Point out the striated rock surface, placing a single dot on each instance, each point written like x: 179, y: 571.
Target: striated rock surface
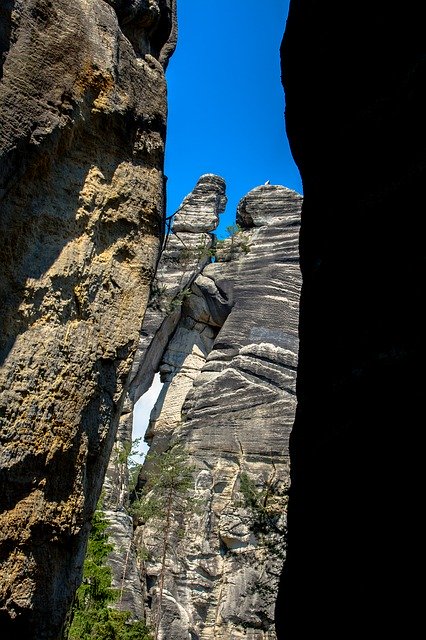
x: 83, y: 120
x: 355, y: 80
x: 237, y: 419
x: 184, y: 255
x: 228, y: 363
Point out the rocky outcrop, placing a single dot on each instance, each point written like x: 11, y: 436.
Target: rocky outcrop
x: 236, y: 423
x: 354, y: 80
x: 184, y: 254
x: 83, y: 119
x: 228, y: 362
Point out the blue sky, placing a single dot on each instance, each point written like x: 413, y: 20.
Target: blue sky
x: 226, y: 102
x: 226, y: 111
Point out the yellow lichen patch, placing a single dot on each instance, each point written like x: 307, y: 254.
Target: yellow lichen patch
x: 17, y: 565
x: 92, y: 78
x: 80, y: 295
x: 57, y: 446
x: 91, y: 193
x: 35, y: 509
x: 17, y: 522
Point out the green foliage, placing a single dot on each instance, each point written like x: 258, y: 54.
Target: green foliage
x: 169, y: 480
x: 128, y: 452
x: 134, y: 465
x: 127, y: 460
x: 267, y: 503
x: 157, y: 296
x: 161, y: 300
x: 195, y: 254
x: 237, y: 242
x: 108, y: 624
x: 250, y: 493
x: 233, y: 229
x: 91, y: 616
x: 165, y: 499
x: 179, y: 299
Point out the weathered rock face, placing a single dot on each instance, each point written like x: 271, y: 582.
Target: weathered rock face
x: 236, y: 421
x: 83, y: 118
x: 354, y: 82
x: 184, y: 255
x: 228, y: 364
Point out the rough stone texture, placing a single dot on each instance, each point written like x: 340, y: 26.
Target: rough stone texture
x: 237, y: 418
x: 229, y: 368
x: 199, y: 210
x: 355, y: 80
x: 83, y: 119
x: 126, y: 576
x: 184, y: 254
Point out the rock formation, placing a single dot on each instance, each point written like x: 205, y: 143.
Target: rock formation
x: 83, y: 119
x: 223, y: 334
x: 184, y: 255
x: 354, y: 79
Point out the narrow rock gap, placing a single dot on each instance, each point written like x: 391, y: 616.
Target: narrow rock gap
x: 142, y: 412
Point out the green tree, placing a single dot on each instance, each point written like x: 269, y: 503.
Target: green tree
x: 126, y: 457
x: 165, y: 498
x: 92, y: 617
x: 268, y: 503
x: 238, y: 242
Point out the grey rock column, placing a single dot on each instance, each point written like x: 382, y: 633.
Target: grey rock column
x: 233, y: 413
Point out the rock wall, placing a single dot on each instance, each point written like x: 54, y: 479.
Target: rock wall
x: 354, y: 79
x: 83, y: 121
x: 184, y: 254
x: 227, y: 353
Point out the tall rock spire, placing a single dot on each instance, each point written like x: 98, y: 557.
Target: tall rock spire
x: 228, y: 362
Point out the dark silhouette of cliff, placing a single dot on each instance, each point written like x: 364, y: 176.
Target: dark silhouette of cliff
x: 354, y: 78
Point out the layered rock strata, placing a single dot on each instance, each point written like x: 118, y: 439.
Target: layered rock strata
x: 355, y: 92
x: 184, y: 254
x: 83, y: 120
x: 228, y: 367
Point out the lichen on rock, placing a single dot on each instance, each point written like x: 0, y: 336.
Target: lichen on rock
x: 83, y: 122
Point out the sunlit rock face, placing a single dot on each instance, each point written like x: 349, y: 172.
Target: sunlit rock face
x: 236, y: 419
x: 227, y: 353
x: 354, y: 79
x: 83, y: 119
x: 183, y: 256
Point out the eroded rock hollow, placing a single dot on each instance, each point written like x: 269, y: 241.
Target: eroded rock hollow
x: 83, y: 121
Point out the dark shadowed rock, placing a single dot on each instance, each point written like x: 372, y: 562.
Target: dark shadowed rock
x: 355, y: 78
x: 83, y: 120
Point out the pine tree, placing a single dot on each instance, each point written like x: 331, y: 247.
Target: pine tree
x: 92, y: 617
x: 166, y: 497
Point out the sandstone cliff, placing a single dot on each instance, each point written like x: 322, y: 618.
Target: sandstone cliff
x: 223, y: 334
x: 83, y: 120
x: 184, y: 254
x: 354, y: 78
